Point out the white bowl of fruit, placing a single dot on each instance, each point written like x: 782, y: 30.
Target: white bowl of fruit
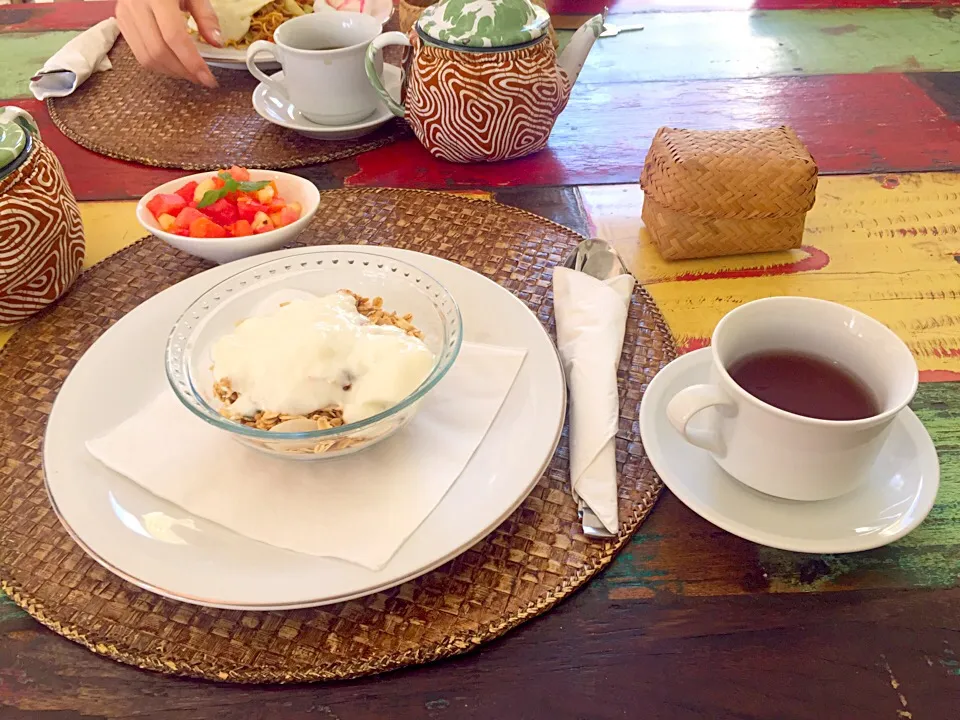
x: 229, y: 214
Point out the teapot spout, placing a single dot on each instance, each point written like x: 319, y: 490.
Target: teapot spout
x: 573, y: 57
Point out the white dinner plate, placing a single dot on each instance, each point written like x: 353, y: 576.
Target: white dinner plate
x: 897, y: 497
x: 275, y: 108
x: 230, y: 58
x: 161, y: 548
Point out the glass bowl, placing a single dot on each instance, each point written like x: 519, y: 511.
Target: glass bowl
x: 404, y: 289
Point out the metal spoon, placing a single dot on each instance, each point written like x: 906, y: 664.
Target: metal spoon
x: 611, y: 30
x: 599, y: 259
x: 48, y: 72
x: 596, y: 258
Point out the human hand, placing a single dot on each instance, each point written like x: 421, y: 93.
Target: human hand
x: 158, y: 36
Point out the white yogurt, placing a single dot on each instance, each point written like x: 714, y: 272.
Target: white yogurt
x: 317, y: 353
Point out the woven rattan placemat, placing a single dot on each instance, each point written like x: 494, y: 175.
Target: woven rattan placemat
x: 534, y: 559
x: 131, y: 114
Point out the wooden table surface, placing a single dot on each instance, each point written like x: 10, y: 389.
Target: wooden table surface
x: 689, y: 621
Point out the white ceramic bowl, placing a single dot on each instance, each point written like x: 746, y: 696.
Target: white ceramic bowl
x: 222, y: 250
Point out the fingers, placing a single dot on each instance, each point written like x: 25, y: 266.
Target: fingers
x: 157, y: 34
x: 174, y: 33
x: 206, y: 20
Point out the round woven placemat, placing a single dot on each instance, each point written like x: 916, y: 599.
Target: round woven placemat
x: 131, y: 114
x: 531, y: 561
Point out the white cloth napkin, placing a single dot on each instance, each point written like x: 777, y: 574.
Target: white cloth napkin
x: 82, y: 56
x: 360, y: 508
x: 591, y: 319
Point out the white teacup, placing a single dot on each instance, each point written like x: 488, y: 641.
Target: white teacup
x: 777, y: 452
x: 323, y: 56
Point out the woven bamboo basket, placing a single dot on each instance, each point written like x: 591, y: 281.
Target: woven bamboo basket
x: 708, y: 194
x: 410, y: 10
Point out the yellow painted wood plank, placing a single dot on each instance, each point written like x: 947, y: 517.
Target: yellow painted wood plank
x: 108, y: 227
x: 887, y: 245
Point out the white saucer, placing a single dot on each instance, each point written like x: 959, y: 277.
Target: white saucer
x: 275, y: 108
x: 901, y: 490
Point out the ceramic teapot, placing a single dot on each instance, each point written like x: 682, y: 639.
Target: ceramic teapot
x: 41, y: 234
x: 484, y: 82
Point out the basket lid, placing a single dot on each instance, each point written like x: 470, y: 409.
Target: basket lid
x: 737, y: 174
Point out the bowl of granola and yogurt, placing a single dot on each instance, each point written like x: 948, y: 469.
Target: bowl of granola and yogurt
x: 314, y: 355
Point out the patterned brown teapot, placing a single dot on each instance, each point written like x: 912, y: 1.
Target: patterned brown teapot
x: 41, y: 234
x: 485, y: 82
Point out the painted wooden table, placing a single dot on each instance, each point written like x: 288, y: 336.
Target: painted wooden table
x: 689, y: 622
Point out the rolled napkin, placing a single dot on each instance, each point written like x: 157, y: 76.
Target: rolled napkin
x: 591, y: 318
x: 80, y: 58
x: 360, y: 508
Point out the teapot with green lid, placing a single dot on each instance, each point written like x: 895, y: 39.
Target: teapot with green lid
x: 41, y: 234
x: 484, y: 82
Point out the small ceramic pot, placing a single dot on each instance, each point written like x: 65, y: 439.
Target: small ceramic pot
x: 41, y: 234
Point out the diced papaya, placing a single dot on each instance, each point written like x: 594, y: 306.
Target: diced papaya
x: 204, y: 227
x: 240, y: 228
x: 239, y: 174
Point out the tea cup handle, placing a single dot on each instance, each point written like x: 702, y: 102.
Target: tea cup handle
x: 690, y: 401
x: 256, y: 48
x: 376, y: 46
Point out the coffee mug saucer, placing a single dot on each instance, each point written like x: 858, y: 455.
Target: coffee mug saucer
x: 897, y: 497
x: 276, y: 109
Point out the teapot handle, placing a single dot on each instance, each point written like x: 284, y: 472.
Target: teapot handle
x: 377, y: 46
x: 11, y: 113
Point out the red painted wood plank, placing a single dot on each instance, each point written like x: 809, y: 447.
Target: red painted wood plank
x: 622, y: 7
x: 852, y: 124
x: 54, y: 16
x: 92, y: 176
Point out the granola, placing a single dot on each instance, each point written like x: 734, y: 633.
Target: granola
x: 325, y: 418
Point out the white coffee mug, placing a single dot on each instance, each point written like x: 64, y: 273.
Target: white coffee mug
x: 323, y: 59
x: 778, y: 452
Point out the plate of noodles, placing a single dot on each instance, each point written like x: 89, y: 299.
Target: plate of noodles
x: 244, y: 21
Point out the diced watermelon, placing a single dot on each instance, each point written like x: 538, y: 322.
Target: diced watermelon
x: 240, y: 228
x: 204, y: 227
x: 276, y: 205
x: 166, y: 204
x: 186, y: 216
x: 248, y: 208
x: 223, y: 212
x: 186, y: 192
